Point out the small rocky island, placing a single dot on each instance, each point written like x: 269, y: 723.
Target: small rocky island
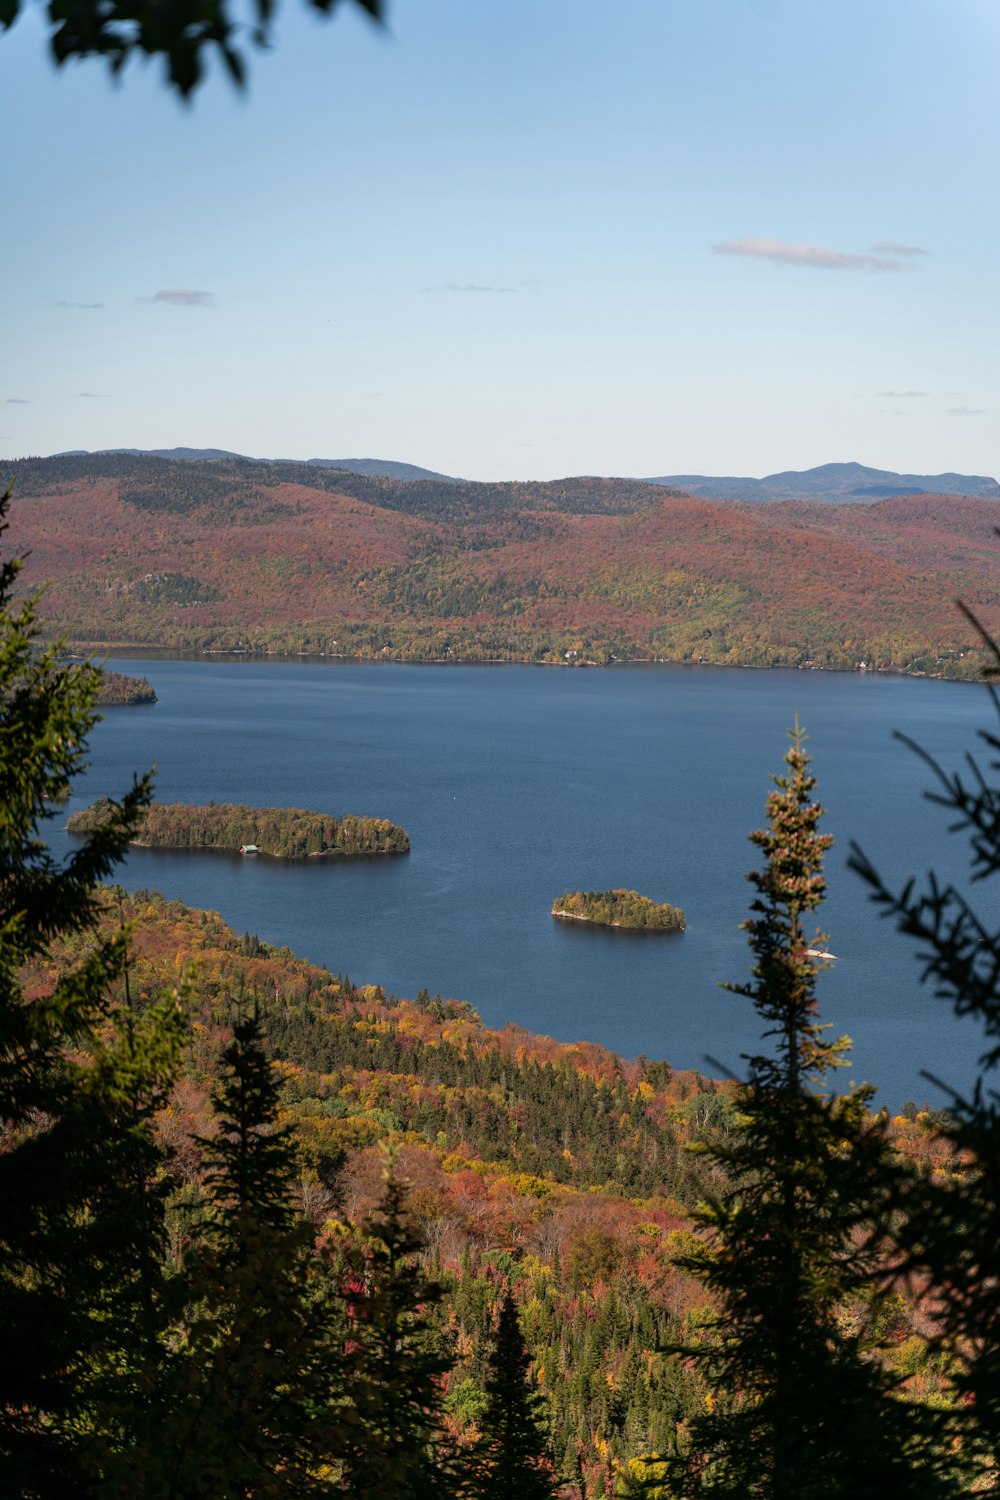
x: 282, y: 832
x: 619, y: 908
x: 119, y: 690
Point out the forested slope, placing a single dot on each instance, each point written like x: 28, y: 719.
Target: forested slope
x: 557, y: 1169
x: 226, y: 555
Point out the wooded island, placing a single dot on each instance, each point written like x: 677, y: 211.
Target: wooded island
x: 619, y: 908
x: 283, y: 832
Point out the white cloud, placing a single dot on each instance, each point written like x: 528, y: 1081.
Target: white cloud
x: 183, y: 297
x: 466, y: 286
x: 816, y: 257
x: 892, y: 247
x: 966, y: 411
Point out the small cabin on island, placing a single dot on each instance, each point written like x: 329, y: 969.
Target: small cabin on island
x: 249, y: 849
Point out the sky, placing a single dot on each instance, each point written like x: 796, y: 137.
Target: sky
x: 519, y: 239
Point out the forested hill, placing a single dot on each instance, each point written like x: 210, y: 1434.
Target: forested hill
x: 232, y: 555
x: 179, y: 486
x: 558, y: 1170
x: 390, y: 467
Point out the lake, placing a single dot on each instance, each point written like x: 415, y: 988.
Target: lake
x: 517, y: 783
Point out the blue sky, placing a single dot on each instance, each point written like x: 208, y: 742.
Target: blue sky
x: 519, y: 238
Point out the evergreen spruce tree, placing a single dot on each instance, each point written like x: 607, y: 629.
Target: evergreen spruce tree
x: 950, y: 1232
x: 797, y: 1405
x: 134, y: 1066
x: 398, y: 1447
x: 515, y: 1461
x: 249, y: 1403
x: 75, y: 1138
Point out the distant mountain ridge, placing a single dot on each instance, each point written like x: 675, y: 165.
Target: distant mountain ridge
x: 228, y: 554
x: 385, y: 468
x: 834, y: 484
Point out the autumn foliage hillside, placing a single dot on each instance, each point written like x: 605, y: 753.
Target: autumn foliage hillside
x: 558, y: 1170
x: 225, y: 555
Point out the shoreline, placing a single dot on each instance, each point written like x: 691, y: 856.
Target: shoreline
x: 285, y: 859
x: 135, y: 651
x: 575, y: 916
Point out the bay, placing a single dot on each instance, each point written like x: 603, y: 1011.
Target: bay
x: 517, y: 783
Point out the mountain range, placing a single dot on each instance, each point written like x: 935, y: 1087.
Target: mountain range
x: 226, y: 554
x: 385, y: 467
x: 836, y: 484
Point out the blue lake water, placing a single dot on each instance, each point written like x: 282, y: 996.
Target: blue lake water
x: 516, y: 783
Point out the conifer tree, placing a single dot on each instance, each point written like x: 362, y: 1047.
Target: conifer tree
x: 398, y: 1447
x: 248, y: 1405
x: 134, y: 1066
x: 515, y: 1463
x: 797, y: 1406
x: 950, y: 1232
x: 67, y: 1120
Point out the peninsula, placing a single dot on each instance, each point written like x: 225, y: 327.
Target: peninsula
x: 282, y: 832
x: 619, y: 908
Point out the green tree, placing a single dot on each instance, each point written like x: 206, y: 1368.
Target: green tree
x: 515, y: 1461
x: 950, y: 1231
x: 248, y: 1404
x: 135, y: 1063
x: 183, y: 33
x: 797, y: 1404
x: 80, y: 1220
x: 399, y: 1451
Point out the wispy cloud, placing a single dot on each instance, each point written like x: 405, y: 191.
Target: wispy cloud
x: 966, y: 411
x: 892, y: 247
x: 17, y: 401
x: 466, y: 286
x: 901, y: 395
x: 815, y: 257
x: 92, y: 396
x: 182, y: 297
x: 87, y: 306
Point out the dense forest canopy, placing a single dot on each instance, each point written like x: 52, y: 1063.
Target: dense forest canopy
x: 284, y: 832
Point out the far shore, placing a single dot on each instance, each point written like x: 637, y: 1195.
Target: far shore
x: 118, y: 649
